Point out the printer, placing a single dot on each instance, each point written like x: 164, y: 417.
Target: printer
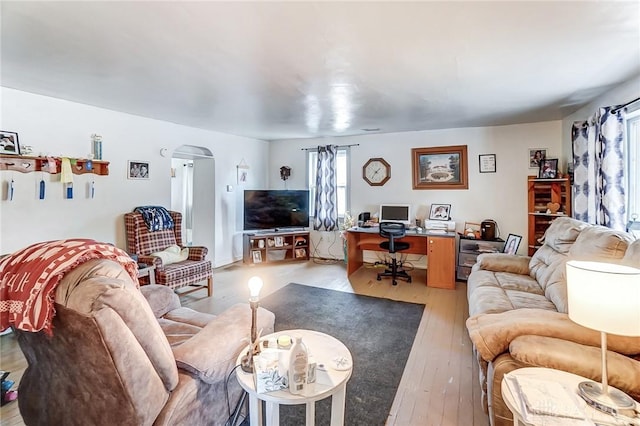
x: 441, y: 225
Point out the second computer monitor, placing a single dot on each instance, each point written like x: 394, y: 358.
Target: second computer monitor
x: 395, y: 213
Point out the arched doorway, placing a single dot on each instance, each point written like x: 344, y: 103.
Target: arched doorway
x: 192, y: 194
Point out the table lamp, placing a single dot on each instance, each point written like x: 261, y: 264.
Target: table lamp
x: 604, y: 297
x: 255, y: 285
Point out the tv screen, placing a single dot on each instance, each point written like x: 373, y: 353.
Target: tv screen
x: 273, y: 209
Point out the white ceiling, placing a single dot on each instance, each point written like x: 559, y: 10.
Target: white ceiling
x: 280, y: 70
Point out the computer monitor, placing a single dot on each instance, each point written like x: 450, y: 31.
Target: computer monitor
x: 395, y: 213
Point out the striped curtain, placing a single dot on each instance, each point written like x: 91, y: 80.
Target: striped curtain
x: 326, y: 202
x: 598, y: 167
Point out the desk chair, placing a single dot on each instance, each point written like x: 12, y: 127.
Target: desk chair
x: 393, y: 231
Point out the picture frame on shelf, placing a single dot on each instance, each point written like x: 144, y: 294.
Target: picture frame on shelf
x: 535, y: 156
x: 137, y: 169
x: 279, y: 241
x: 300, y: 253
x: 443, y: 167
x: 256, y: 256
x: 512, y: 244
x: 487, y: 163
x: 440, y: 212
x: 9, y: 143
x: 548, y: 168
x: 472, y: 230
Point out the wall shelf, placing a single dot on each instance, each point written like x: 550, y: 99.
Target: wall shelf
x: 79, y: 166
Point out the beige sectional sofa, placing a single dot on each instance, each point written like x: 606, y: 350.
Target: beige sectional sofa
x: 518, y: 313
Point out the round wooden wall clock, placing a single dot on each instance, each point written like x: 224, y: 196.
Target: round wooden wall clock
x: 376, y: 171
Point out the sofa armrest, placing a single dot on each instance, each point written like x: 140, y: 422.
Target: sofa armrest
x: 211, y: 354
x: 162, y: 299
x: 503, y: 262
x: 197, y: 252
x: 583, y: 360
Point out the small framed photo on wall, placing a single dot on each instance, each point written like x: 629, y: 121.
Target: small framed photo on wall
x: 535, y: 157
x: 487, y: 163
x: 9, y: 143
x: 138, y: 170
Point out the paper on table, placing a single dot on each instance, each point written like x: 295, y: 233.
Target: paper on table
x: 545, y: 402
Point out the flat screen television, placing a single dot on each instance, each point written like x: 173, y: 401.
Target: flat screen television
x: 275, y: 209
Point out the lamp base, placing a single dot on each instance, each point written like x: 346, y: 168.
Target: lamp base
x: 246, y: 363
x: 613, y: 402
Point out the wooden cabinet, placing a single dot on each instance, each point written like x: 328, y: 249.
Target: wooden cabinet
x: 468, y: 251
x: 25, y: 164
x: 441, y: 258
x: 542, y: 192
x: 275, y: 247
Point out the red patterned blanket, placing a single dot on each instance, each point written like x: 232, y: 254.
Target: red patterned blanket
x: 28, y: 279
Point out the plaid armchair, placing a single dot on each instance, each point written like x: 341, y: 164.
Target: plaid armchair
x: 142, y: 242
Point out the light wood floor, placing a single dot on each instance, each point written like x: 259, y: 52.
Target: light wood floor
x: 439, y: 385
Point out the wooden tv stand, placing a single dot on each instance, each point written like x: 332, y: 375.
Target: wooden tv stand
x: 277, y: 246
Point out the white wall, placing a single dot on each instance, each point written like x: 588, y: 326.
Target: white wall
x: 501, y: 196
x: 63, y: 128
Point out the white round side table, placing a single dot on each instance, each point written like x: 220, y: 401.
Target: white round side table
x: 568, y: 380
x: 329, y: 381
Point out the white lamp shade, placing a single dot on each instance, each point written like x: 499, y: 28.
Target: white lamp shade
x: 604, y: 297
x: 255, y: 285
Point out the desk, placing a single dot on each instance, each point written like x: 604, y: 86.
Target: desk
x: 440, y: 249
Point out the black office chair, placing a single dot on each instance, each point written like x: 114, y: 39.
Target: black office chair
x: 393, y: 231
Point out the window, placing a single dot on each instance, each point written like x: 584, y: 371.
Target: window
x: 632, y: 150
x: 342, y: 162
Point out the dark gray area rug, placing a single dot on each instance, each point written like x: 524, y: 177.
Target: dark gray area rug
x: 378, y: 332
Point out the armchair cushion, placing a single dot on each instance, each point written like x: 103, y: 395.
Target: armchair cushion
x: 210, y: 354
x: 172, y: 254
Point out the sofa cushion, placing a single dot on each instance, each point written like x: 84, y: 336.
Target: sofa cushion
x: 503, y: 262
x: 102, y: 288
x: 599, y: 243
x: 584, y: 360
x: 493, y: 292
x: 632, y: 255
x: 562, y: 233
x: 161, y: 299
x: 211, y: 354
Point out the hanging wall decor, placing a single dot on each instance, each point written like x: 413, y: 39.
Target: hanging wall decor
x: 243, y: 172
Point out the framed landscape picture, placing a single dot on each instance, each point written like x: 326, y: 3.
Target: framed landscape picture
x: 443, y: 167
